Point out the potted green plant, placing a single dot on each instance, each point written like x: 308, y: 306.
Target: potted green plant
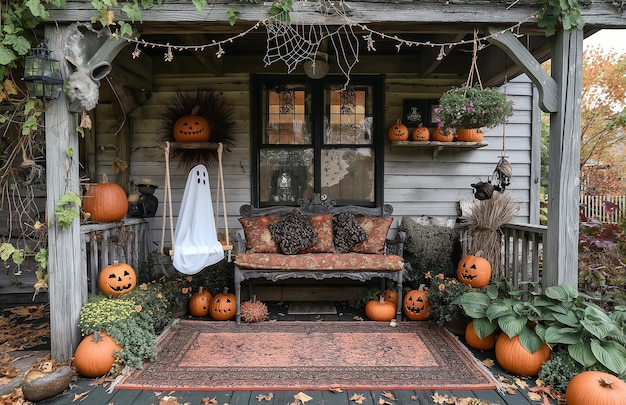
x: 442, y: 292
x: 472, y: 108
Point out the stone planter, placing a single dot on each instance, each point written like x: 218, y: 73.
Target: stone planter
x: 38, y: 385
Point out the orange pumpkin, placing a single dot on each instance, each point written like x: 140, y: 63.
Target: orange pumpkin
x: 391, y: 296
x: 105, y: 202
x: 595, y: 387
x: 398, y: 132
x: 223, y: 306
x: 192, y: 128
x: 474, y: 271
x: 380, y: 310
x: 94, y: 355
x: 441, y: 134
x: 513, y: 357
x: 415, y: 304
x: 420, y: 134
x: 117, y: 279
x: 472, y: 339
x: 469, y: 134
x: 200, y: 302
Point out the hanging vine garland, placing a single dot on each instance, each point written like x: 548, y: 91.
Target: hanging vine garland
x: 208, y: 105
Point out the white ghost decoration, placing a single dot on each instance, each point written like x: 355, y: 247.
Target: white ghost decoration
x: 195, y: 238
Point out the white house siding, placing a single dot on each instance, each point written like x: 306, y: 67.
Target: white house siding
x: 415, y: 183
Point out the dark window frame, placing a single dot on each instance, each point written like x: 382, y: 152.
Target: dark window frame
x: 258, y: 83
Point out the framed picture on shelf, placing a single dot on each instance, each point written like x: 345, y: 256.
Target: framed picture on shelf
x: 432, y: 116
x: 414, y: 112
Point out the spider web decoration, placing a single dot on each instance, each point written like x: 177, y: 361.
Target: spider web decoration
x: 300, y: 40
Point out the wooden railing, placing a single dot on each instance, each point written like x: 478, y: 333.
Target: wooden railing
x: 522, y: 252
x: 127, y: 241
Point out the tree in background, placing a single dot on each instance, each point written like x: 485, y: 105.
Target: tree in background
x: 603, y: 123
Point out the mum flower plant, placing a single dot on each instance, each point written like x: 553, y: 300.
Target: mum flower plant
x: 473, y: 107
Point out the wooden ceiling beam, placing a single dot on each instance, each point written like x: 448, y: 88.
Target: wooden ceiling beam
x: 207, y: 58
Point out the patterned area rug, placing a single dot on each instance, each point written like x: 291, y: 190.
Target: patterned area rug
x: 204, y: 355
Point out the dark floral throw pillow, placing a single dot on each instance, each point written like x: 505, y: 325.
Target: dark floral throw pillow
x: 347, y: 232
x: 293, y: 233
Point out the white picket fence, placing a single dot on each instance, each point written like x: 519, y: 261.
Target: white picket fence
x: 594, y: 207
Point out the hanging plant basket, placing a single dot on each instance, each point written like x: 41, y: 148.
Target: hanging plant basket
x: 209, y: 106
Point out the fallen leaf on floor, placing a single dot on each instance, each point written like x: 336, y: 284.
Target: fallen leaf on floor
x: 81, y: 396
x: 358, y: 398
x: 357, y: 318
x: 534, y: 396
x: 521, y: 383
x: 393, y: 323
x: 210, y: 401
x: 488, y: 362
x: 167, y: 400
x: 302, y: 397
x: 389, y: 395
x: 266, y: 397
x: 383, y: 402
x: 510, y: 389
x: 413, y: 397
x: 439, y: 399
x: 336, y: 390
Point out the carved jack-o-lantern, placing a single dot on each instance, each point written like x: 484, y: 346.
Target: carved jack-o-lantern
x: 398, y: 132
x: 223, y: 306
x: 415, y: 305
x: 474, y: 271
x: 117, y: 279
x: 420, y: 134
x: 192, y: 128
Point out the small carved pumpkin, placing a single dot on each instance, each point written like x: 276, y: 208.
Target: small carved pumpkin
x: 441, y: 134
x: 192, y: 128
x: 398, y: 132
x: 200, y: 302
x: 117, y: 279
x: 391, y: 296
x: 380, y: 310
x: 595, y: 387
x: 105, y: 202
x: 420, y: 134
x: 415, y: 304
x: 474, y: 271
x: 94, y: 355
x: 223, y: 306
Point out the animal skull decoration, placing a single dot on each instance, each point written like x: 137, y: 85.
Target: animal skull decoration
x: 89, y: 53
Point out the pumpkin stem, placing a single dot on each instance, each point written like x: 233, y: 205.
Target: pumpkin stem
x: 105, y: 178
x: 398, y: 121
x: 116, y: 262
x: 479, y: 253
x: 381, y: 299
x: 195, y: 110
x: 200, y: 290
x: 422, y: 287
x: 97, y: 337
x: 254, y: 298
x: 605, y: 383
x: 225, y: 290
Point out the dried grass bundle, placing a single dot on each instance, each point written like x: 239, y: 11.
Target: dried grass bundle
x: 484, y: 224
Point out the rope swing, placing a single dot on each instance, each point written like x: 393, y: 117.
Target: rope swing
x: 194, y: 242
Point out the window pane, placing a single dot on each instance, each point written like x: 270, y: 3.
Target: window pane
x: 286, y: 118
x: 347, y: 119
x: 348, y: 174
x: 286, y: 175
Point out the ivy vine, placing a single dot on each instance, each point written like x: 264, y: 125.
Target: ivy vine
x: 563, y: 14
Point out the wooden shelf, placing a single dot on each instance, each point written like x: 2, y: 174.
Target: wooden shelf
x: 439, y: 146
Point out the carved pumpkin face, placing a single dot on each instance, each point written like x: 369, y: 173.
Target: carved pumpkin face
x: 420, y: 134
x: 415, y: 305
x: 474, y: 271
x: 398, y: 132
x: 391, y: 296
x: 192, y: 128
x: 117, y: 279
x: 223, y: 306
x: 200, y: 302
x: 441, y: 134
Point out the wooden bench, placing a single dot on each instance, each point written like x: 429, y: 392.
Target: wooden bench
x: 387, y: 264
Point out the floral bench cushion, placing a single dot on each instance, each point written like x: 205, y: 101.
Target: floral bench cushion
x: 319, y: 261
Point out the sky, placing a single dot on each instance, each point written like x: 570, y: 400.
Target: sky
x: 608, y: 40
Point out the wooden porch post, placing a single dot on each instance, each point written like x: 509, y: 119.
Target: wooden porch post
x: 560, y: 264
x: 67, y: 277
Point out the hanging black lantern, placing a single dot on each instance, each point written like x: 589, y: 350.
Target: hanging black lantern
x: 42, y: 74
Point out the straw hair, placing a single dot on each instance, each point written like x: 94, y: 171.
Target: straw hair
x: 484, y: 224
